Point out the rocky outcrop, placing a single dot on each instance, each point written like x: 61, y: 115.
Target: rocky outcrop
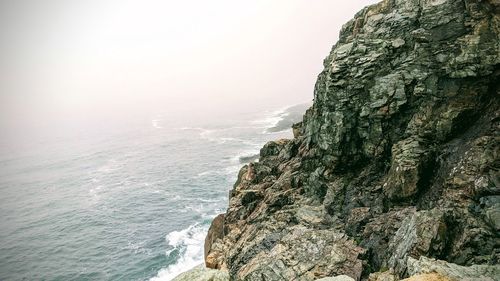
x: 200, y: 273
x: 397, y: 159
x: 428, y: 277
x: 337, y: 278
x: 453, y: 271
x: 216, y: 231
x: 430, y: 269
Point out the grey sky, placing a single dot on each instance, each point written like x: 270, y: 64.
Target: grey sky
x: 94, y: 58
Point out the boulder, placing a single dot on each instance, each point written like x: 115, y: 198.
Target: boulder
x: 428, y: 277
x: 423, y: 233
x: 425, y: 265
x: 200, y: 273
x: 336, y: 278
x: 216, y: 231
x: 410, y: 170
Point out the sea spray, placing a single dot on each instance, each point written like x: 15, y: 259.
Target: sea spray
x: 187, y: 247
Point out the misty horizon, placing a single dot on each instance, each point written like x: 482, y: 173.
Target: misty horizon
x: 66, y: 63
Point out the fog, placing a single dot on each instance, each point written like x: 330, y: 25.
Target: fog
x: 92, y: 61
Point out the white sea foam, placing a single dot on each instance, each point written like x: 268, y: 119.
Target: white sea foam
x: 289, y: 115
x: 189, y: 128
x: 249, y: 153
x: 213, y: 135
x: 268, y: 122
x: 270, y: 118
x: 156, y: 123
x: 221, y: 129
x: 232, y: 170
x: 189, y: 242
x: 229, y: 135
x: 198, y: 209
x: 206, y: 173
x: 203, y: 133
x: 226, y: 139
x: 220, y: 135
x: 215, y: 200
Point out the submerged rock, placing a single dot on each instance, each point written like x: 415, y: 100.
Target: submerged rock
x: 397, y: 159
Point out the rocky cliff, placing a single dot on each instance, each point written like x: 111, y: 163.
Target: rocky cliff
x: 394, y: 170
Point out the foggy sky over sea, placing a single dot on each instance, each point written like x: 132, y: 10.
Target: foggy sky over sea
x: 124, y: 123
x: 86, y: 62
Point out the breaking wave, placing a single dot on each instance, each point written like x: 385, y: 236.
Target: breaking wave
x: 187, y: 247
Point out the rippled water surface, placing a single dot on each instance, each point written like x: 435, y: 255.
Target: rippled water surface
x: 131, y: 204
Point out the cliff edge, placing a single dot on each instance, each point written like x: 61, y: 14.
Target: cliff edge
x: 394, y: 170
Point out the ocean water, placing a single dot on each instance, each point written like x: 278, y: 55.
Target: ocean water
x: 126, y: 204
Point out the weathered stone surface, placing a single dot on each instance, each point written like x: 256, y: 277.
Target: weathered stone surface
x: 428, y: 277
x: 216, y: 231
x: 383, y: 276
x: 336, y: 278
x: 409, y: 169
x: 306, y: 254
x: 453, y: 271
x: 200, y: 273
x: 371, y: 75
x: 491, y: 210
x: 398, y: 157
x: 423, y: 233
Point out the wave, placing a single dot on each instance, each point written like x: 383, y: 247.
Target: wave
x: 270, y: 119
x: 285, y: 118
x: 228, y: 139
x: 189, y: 128
x: 229, y: 171
x: 215, y: 200
x: 203, y: 133
x: 211, y: 134
x: 219, y: 129
x: 156, y: 123
x: 247, y: 156
x: 188, y: 244
x: 232, y: 171
x: 206, y: 173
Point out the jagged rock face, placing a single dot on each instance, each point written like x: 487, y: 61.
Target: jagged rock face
x: 200, y: 273
x: 400, y: 70
x: 454, y: 272
x: 216, y: 231
x: 397, y: 158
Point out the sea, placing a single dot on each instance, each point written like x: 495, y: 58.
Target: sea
x: 133, y: 203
